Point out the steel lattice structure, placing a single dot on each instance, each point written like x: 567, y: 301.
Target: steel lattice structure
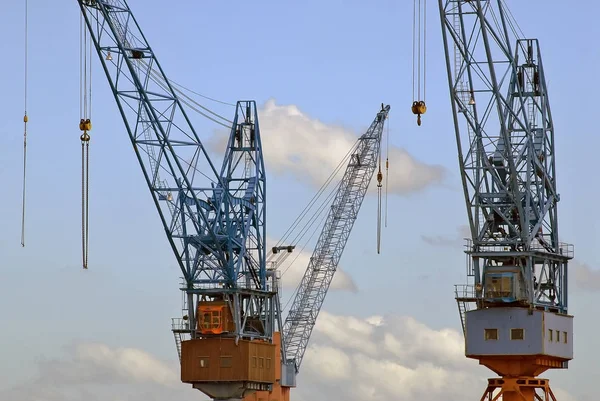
x: 505, y: 139
x: 214, y: 221
x: 332, y: 240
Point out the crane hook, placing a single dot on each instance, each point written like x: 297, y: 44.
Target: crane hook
x: 418, y: 108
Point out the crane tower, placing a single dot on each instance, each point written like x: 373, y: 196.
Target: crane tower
x: 514, y: 308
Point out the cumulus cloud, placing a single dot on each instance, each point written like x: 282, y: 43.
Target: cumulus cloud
x: 93, y: 371
x: 456, y: 240
x: 375, y: 359
x: 293, y: 268
x: 391, y: 357
x: 586, y: 277
x: 295, y: 143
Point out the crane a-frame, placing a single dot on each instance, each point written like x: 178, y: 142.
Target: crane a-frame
x: 514, y: 310
x: 229, y: 341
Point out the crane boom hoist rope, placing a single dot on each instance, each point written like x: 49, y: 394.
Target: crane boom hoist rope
x: 85, y: 126
x: 25, y: 121
x: 419, y: 59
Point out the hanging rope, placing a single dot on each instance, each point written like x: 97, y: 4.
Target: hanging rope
x: 387, y: 168
x: 85, y: 125
x: 419, y: 58
x: 379, y: 185
x: 25, y: 120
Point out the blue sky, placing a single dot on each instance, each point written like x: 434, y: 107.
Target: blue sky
x: 336, y: 61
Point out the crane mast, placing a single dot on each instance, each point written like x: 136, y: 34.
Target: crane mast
x: 332, y: 240
x: 514, y: 309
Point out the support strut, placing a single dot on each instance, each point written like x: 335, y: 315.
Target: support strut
x: 518, y: 389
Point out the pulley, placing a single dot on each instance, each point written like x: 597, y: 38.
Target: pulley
x: 418, y: 108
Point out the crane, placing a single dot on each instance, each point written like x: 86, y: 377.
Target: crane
x: 215, y: 228
x: 514, y: 308
x: 229, y: 339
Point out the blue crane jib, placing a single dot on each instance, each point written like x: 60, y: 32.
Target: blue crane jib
x: 214, y: 221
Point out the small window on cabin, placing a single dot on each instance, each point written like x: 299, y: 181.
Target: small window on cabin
x: 550, y: 335
x: 268, y: 366
x: 565, y: 337
x: 491, y: 334
x: 226, y: 361
x: 206, y: 320
x: 261, y: 363
x: 253, y: 361
x: 516, y: 334
x: 204, y: 361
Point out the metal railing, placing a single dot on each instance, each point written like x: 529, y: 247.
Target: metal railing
x: 180, y: 324
x: 464, y: 291
x: 564, y: 249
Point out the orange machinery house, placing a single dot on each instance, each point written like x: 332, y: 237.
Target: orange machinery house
x: 224, y: 368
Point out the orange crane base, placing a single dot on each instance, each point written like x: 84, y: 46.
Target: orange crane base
x: 519, y: 381
x: 278, y: 393
x: 518, y: 389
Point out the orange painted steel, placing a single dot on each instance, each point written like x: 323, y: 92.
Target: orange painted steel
x: 518, y: 389
x: 278, y: 393
x: 519, y: 380
x: 214, y: 317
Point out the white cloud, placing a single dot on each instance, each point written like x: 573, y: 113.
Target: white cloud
x: 586, y: 277
x: 93, y: 371
x: 391, y: 357
x: 295, y: 143
x: 127, y: 363
x: 456, y: 240
x: 374, y: 359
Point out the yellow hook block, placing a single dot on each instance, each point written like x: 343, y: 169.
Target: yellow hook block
x: 418, y: 108
x: 85, y: 125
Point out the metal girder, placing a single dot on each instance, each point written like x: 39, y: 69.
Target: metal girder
x: 332, y: 240
x: 214, y: 221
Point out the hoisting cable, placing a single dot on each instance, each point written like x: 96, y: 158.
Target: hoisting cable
x: 85, y: 125
x: 379, y: 185
x: 387, y: 167
x: 319, y: 193
x: 25, y: 119
x: 157, y: 78
x: 419, y: 56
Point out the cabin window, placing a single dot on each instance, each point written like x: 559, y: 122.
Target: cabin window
x: 204, y: 361
x: 491, y: 334
x: 565, y: 337
x: 261, y: 363
x: 226, y: 361
x: 516, y: 334
x: 550, y: 335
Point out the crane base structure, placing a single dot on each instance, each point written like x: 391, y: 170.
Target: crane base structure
x: 518, y: 389
x: 226, y: 369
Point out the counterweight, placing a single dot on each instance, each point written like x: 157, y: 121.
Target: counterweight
x: 505, y: 139
x: 334, y: 236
